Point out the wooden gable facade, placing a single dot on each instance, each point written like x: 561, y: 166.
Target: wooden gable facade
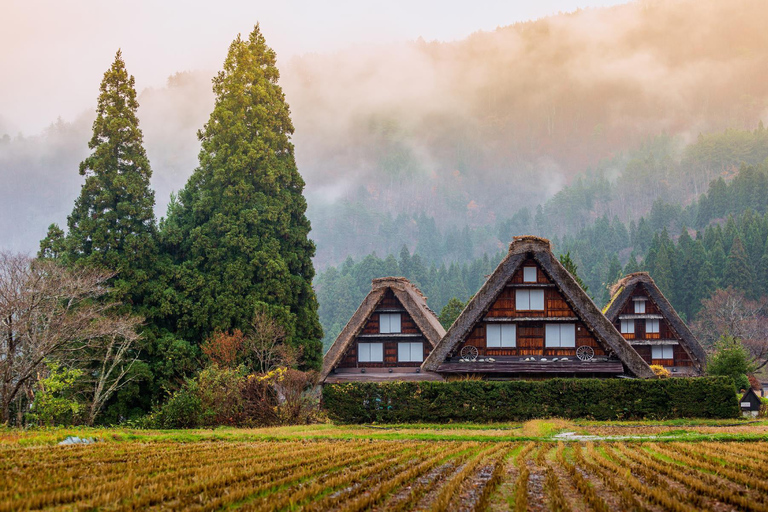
x: 530, y: 325
x: 531, y: 319
x: 393, y: 350
x: 388, y: 337
x: 647, y: 320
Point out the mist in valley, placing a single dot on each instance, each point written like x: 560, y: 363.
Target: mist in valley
x: 464, y: 133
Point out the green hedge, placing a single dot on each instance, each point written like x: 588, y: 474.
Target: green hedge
x: 488, y: 401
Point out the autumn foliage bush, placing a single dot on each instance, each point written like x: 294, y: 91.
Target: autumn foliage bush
x: 230, y: 396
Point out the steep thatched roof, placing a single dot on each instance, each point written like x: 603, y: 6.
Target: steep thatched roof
x: 539, y: 249
x: 622, y: 291
x: 414, y: 302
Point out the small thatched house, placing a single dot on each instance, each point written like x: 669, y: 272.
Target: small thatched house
x: 531, y: 319
x: 651, y: 325
x: 387, y: 338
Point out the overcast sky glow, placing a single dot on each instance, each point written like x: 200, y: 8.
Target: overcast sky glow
x: 53, y: 53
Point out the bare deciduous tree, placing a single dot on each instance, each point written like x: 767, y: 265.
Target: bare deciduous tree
x: 730, y: 312
x: 48, y: 310
x: 265, y: 342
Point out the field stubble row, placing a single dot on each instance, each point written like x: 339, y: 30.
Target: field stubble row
x: 355, y: 475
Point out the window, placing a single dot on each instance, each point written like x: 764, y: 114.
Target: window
x: 529, y: 274
x: 370, y: 352
x: 410, y: 352
x: 652, y: 326
x: 500, y: 335
x: 662, y: 352
x: 560, y: 335
x: 627, y: 327
x: 389, y: 323
x: 639, y: 307
x: 529, y: 300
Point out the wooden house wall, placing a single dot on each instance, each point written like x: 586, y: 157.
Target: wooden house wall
x: 665, y: 331
x: 530, y: 335
x: 407, y: 325
x: 681, y: 357
x: 650, y: 306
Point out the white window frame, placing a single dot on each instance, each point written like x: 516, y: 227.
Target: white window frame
x: 501, y: 335
x: 553, y: 335
x: 640, y: 307
x: 410, y: 352
x: 652, y: 326
x: 390, y: 323
x: 525, y: 298
x: 662, y: 352
x: 530, y: 274
x: 627, y: 327
x: 368, y: 352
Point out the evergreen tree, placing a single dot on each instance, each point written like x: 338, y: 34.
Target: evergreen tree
x: 762, y: 274
x: 573, y: 269
x: 662, y: 272
x: 112, y: 226
x: 717, y: 257
x: 612, y: 275
x: 239, y: 232
x: 450, y: 312
x: 632, y: 265
x: 53, y: 245
x: 113, y: 223
x: 738, y: 273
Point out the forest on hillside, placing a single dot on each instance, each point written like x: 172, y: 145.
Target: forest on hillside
x: 718, y: 240
x: 465, y: 133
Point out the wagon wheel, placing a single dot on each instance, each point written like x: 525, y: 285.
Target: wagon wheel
x: 469, y: 352
x: 585, y: 353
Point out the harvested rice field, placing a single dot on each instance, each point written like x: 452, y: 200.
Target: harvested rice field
x: 157, y: 472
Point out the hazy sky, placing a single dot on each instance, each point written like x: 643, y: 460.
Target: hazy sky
x: 53, y: 53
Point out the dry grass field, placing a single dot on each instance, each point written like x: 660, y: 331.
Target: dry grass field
x: 310, y: 468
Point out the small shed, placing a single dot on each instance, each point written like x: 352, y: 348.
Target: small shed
x: 750, y: 403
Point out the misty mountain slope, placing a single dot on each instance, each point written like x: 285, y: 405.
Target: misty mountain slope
x: 467, y: 132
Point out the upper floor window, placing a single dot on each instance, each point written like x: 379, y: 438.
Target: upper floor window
x: 500, y: 335
x: 560, y: 335
x: 389, y: 323
x: 529, y: 274
x: 639, y: 307
x: 529, y: 300
x: 663, y: 352
x: 627, y: 327
x: 370, y: 352
x: 410, y: 352
x: 652, y: 326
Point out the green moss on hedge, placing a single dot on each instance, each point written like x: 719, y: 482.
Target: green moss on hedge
x: 487, y: 401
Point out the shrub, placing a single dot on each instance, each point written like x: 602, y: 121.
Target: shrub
x: 731, y: 359
x: 56, y: 401
x: 182, y: 410
x: 660, y: 371
x: 491, y: 401
x: 224, y: 396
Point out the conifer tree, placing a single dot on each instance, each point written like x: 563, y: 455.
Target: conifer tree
x: 450, y: 312
x: 113, y: 223
x: 239, y: 231
x: 573, y: 269
x: 662, y: 272
x: 613, y: 274
x: 738, y: 272
x: 717, y: 257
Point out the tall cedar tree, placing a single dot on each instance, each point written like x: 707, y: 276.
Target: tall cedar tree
x: 112, y: 225
x: 738, y: 272
x: 239, y: 230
